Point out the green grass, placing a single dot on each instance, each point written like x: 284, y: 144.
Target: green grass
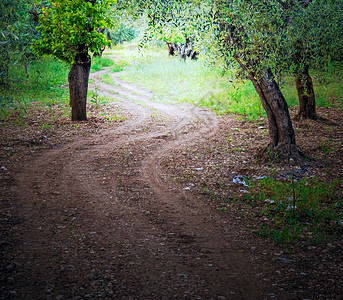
x: 47, y: 81
x: 119, y: 66
x: 46, y: 84
x: 106, y: 78
x: 192, y: 82
x: 98, y: 63
x: 304, y: 210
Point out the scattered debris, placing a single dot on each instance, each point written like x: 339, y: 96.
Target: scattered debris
x: 239, y: 179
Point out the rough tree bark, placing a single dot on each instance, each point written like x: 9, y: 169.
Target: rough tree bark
x: 78, y: 86
x: 172, y: 48
x: 307, y: 100
x: 282, y: 142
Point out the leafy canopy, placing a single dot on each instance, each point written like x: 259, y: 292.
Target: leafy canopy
x: 73, y: 27
x: 267, y: 35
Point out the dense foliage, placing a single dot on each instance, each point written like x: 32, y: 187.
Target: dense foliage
x: 123, y: 33
x: 263, y: 39
x: 16, y: 33
x: 73, y: 27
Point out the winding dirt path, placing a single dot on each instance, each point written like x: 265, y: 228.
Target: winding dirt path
x: 101, y: 219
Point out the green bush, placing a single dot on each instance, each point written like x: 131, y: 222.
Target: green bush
x: 123, y: 34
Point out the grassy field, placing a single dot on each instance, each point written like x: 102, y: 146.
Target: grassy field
x: 46, y: 84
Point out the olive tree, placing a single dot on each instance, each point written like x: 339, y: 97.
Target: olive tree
x: 248, y: 34
x: 315, y: 39
x: 71, y: 30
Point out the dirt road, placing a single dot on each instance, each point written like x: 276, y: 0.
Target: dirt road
x: 99, y: 218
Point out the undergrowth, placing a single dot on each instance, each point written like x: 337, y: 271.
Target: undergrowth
x: 46, y: 85
x: 307, y: 209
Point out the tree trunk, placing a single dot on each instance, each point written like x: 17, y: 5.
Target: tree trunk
x: 27, y: 70
x: 307, y: 101
x: 78, y: 86
x: 108, y: 35
x: 4, y: 69
x: 282, y: 144
x: 172, y: 48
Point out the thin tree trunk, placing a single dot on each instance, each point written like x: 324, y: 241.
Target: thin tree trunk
x: 4, y: 69
x: 282, y: 142
x: 171, y: 49
x: 108, y: 35
x: 78, y: 87
x: 27, y: 70
x: 307, y: 100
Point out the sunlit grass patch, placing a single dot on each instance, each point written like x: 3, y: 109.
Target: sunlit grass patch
x: 191, y: 81
x: 119, y: 66
x: 106, y: 78
x: 98, y: 63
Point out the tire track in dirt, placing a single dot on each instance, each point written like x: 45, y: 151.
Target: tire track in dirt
x: 101, y: 222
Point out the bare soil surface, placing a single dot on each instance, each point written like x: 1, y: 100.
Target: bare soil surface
x: 117, y: 210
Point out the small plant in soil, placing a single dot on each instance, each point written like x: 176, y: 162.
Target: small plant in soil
x: 327, y: 147
x: 115, y: 118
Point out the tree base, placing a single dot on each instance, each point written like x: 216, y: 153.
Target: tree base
x: 301, y: 117
x: 283, y: 154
